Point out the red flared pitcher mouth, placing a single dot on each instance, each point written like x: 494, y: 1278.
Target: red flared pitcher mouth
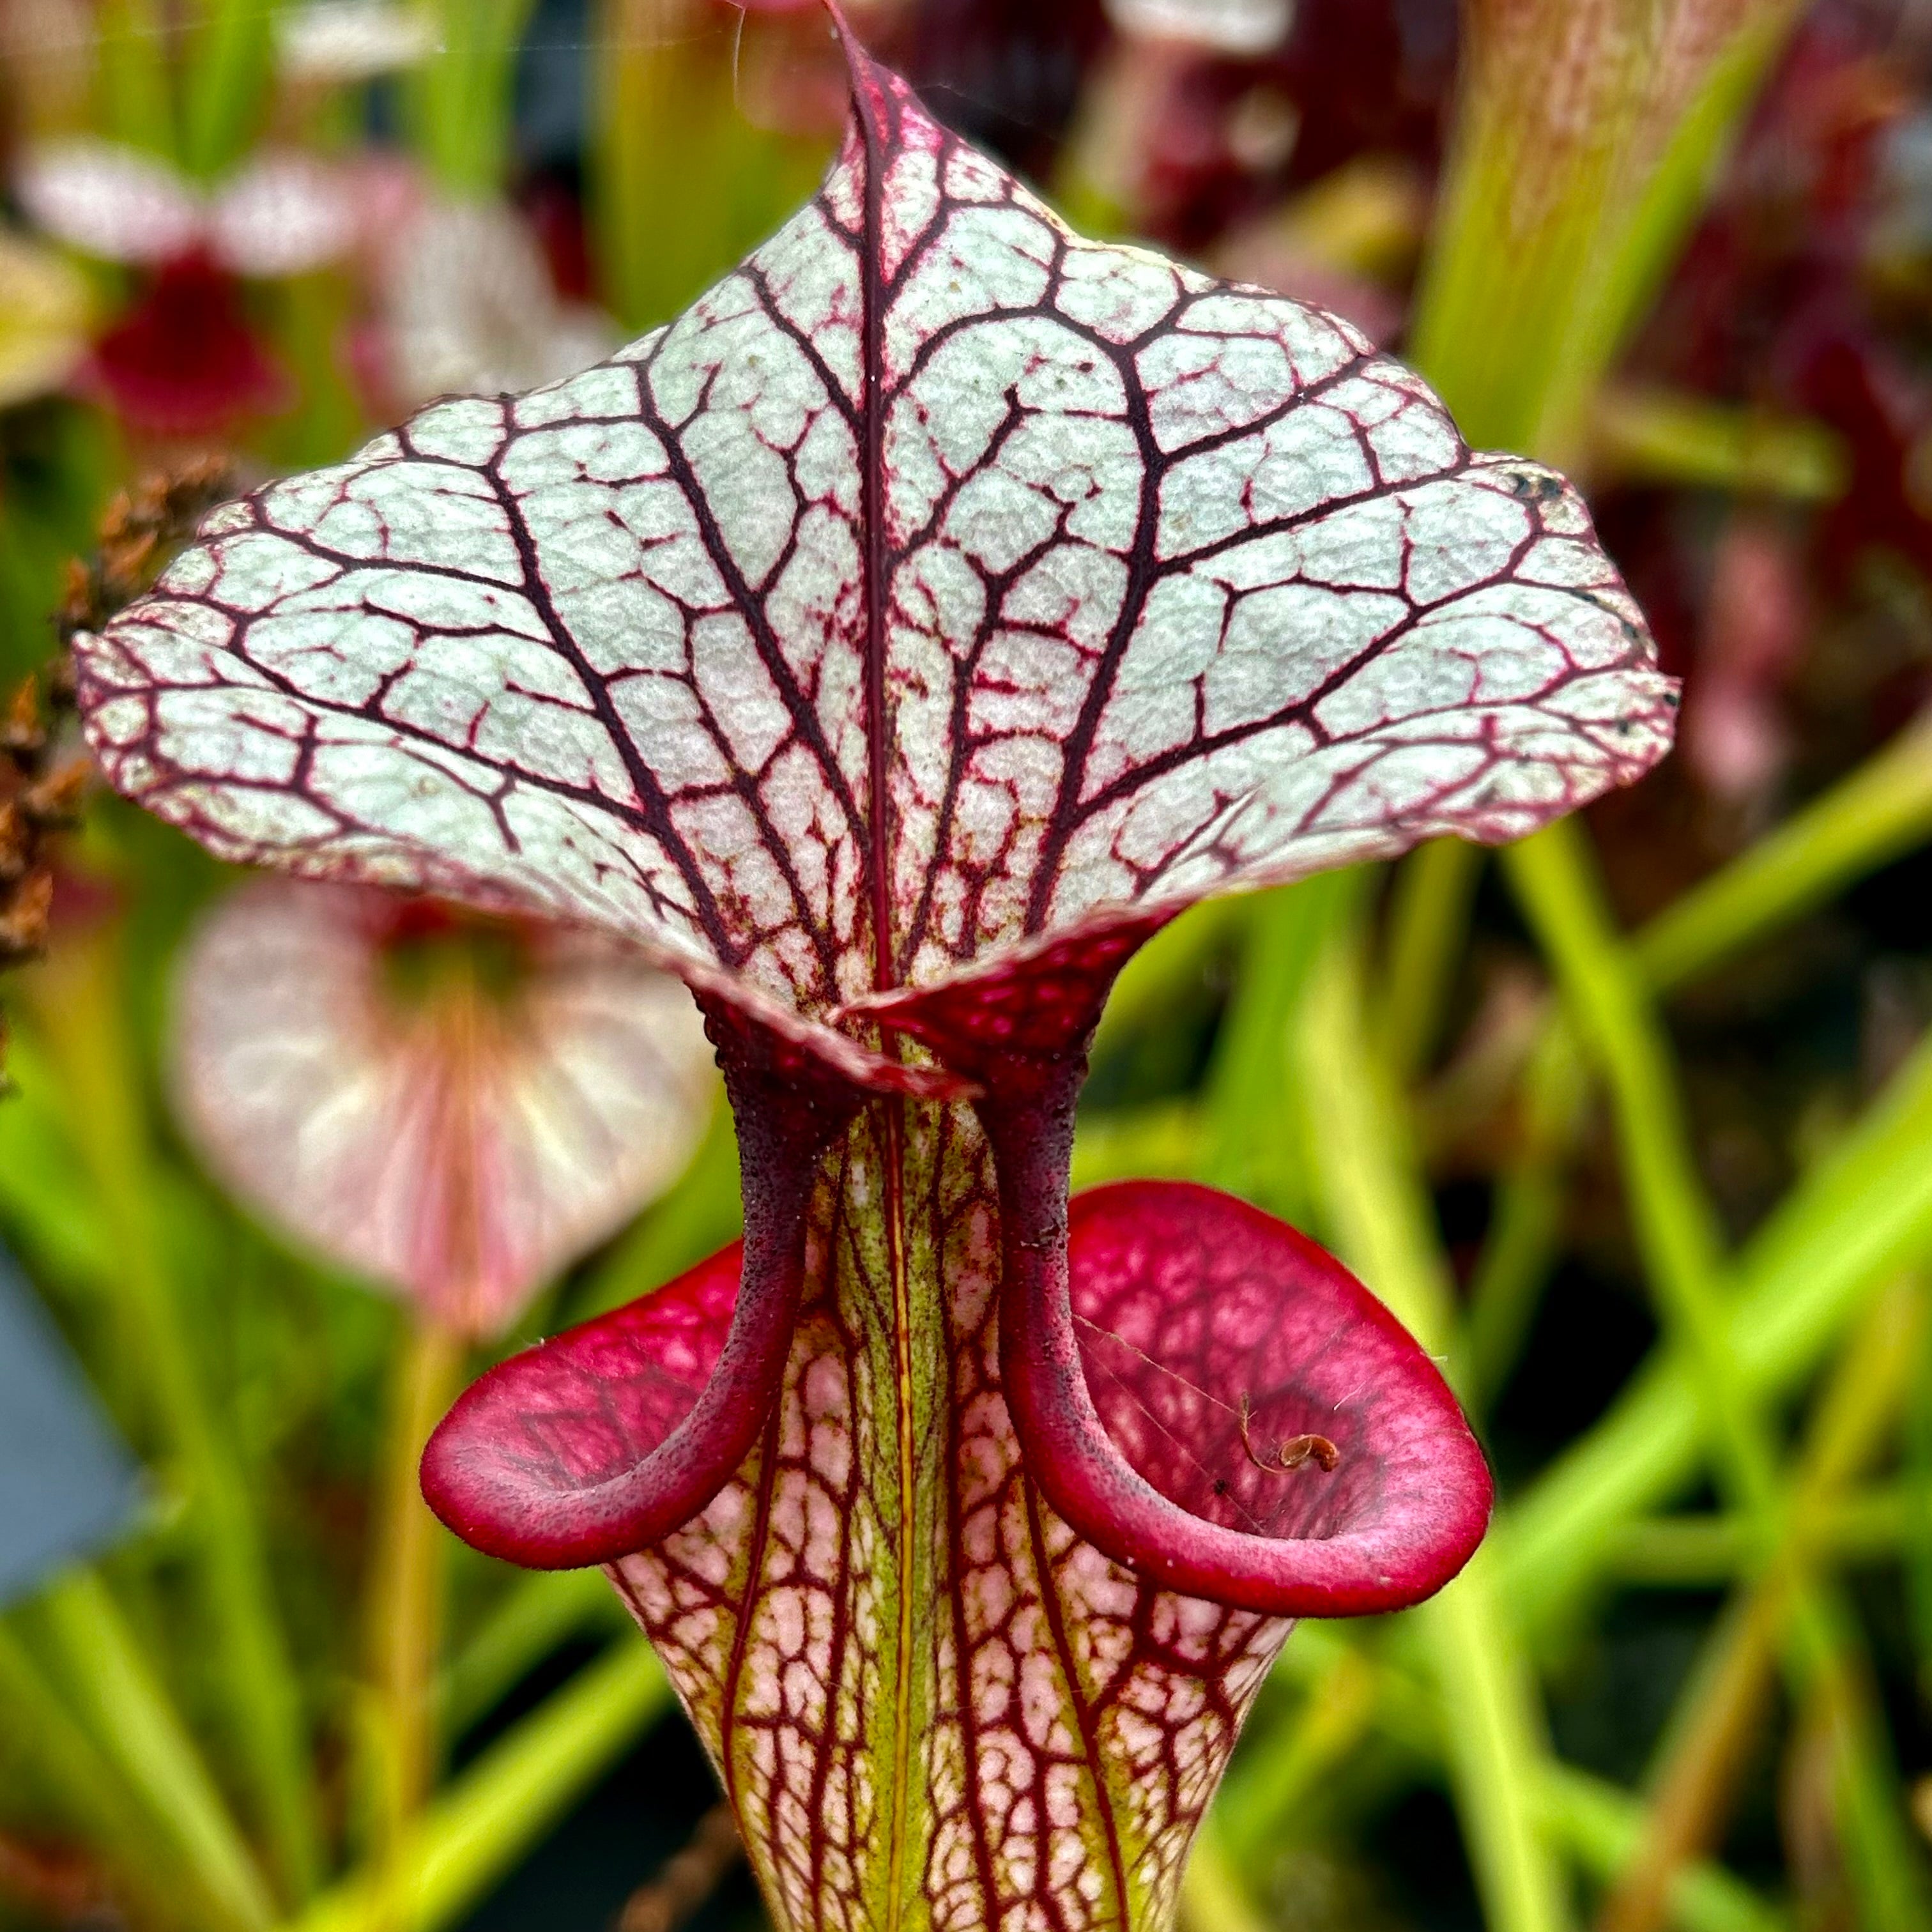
x: 1264, y: 1432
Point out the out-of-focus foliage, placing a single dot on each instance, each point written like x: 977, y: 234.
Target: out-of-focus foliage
x: 1633, y: 1125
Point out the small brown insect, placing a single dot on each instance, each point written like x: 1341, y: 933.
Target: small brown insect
x: 1293, y: 1454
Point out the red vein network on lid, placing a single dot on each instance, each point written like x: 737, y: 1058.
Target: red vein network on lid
x: 888, y: 645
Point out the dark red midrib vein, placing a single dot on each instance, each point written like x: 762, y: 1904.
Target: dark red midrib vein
x: 872, y: 509
x: 1055, y: 1612
x: 891, y: 1112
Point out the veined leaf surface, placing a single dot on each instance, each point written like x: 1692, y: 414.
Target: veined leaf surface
x: 938, y: 581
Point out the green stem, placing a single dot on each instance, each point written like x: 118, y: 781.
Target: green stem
x: 1860, y: 1215
x: 132, y: 1716
x: 405, y: 1609
x: 483, y: 1822
x: 1881, y: 811
x: 1251, y: 1142
x: 1526, y: 1223
x: 131, y: 75
x: 1497, y: 1753
x: 1380, y: 1217
x: 1565, y: 200
x: 539, y: 1611
x: 79, y: 1010
x: 227, y: 77
x: 461, y: 98
x: 680, y: 184
x: 1376, y: 1205
x: 1602, y: 1827
x: 1598, y: 1823
x: 1704, y: 1552
x: 1916, y: 1499
x: 1560, y: 896
x: 91, y: 1797
x: 1707, y: 1747
x: 1674, y: 1229
x: 1825, y: 1661
x: 1428, y: 922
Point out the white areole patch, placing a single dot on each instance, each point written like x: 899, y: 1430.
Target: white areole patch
x: 1183, y: 587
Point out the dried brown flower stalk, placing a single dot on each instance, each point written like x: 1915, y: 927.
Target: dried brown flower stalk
x: 43, y: 771
x: 689, y: 1878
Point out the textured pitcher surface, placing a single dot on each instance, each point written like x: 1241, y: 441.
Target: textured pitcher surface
x: 930, y: 1702
x: 887, y: 646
